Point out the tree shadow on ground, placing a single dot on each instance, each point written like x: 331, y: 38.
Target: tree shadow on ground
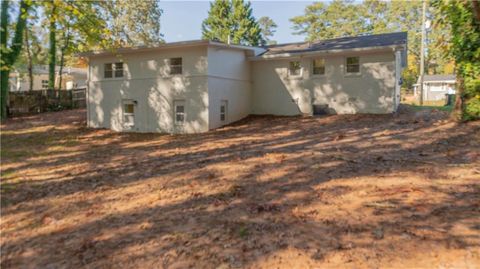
x: 240, y: 195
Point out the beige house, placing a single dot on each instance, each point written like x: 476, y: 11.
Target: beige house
x: 196, y: 86
x: 72, y: 78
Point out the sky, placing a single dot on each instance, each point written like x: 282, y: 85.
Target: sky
x: 182, y: 20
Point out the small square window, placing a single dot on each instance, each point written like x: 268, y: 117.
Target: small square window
x: 175, y: 66
x: 318, y: 67
x: 353, y: 65
x: 108, y: 72
x: 295, y: 69
x: 179, y: 107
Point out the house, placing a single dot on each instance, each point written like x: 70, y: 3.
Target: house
x: 196, y: 86
x: 435, y: 87
x: 72, y: 78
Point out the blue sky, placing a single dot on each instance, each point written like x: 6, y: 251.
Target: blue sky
x: 182, y: 20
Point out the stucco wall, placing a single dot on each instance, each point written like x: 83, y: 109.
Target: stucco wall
x: 147, y: 81
x: 275, y: 92
x: 228, y: 79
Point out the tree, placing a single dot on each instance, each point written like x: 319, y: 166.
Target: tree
x: 9, y: 51
x: 337, y: 19
x: 131, y: 22
x: 232, y: 21
x: 463, y: 19
x: 267, y: 28
x: 52, y: 52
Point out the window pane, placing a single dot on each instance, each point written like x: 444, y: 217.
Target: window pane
x: 108, y: 73
x: 118, y: 66
x: 295, y: 68
x: 353, y: 60
x: 222, y: 109
x: 180, y: 117
x: 118, y: 73
x: 180, y: 109
x: 353, y: 69
x: 175, y: 70
x: 222, y: 117
x: 176, y: 61
x: 129, y: 108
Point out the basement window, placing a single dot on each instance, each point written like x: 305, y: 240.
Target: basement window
x: 295, y: 69
x: 318, y: 67
x: 179, y: 107
x: 223, y: 110
x: 128, y: 113
x: 175, y: 66
x: 353, y: 65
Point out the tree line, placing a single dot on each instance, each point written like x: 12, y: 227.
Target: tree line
x: 70, y: 26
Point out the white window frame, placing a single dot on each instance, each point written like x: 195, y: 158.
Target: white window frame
x: 172, y: 66
x: 125, y: 114
x: 359, y: 66
x: 313, y: 67
x: 113, y: 70
x: 224, y: 104
x: 300, y: 69
x: 176, y: 104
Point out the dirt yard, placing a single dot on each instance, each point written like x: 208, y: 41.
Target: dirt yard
x: 358, y: 191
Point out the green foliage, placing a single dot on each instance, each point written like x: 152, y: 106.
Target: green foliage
x: 267, y: 28
x: 464, y: 47
x: 234, y: 20
x: 10, y: 52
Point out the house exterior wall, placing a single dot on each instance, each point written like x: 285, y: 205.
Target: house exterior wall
x: 147, y: 82
x: 277, y: 93
x: 228, y: 80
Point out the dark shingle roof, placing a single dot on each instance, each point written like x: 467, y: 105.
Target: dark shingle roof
x: 380, y: 40
x: 438, y: 77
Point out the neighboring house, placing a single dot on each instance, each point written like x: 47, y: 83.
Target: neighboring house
x: 72, y: 78
x: 435, y: 87
x: 196, y: 86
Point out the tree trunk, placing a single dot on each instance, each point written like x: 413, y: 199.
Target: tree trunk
x: 53, y: 49
x: 458, y: 108
x: 476, y: 10
x: 30, y: 62
x: 66, y: 37
x: 9, y: 57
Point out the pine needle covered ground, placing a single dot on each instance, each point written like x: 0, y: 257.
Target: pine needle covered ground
x: 361, y: 191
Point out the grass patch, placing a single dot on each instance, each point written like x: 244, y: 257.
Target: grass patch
x: 426, y: 107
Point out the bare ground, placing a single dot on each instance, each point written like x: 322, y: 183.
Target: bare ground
x: 364, y: 191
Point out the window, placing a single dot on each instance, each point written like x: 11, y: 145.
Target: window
x: 113, y: 69
x: 295, y: 69
x: 128, y: 113
x: 223, y: 110
x: 353, y: 65
x: 118, y: 70
x: 108, y: 72
x: 318, y: 67
x: 44, y: 84
x: 179, y: 111
x: 175, y: 66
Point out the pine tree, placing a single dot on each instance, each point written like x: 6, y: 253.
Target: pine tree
x: 232, y: 20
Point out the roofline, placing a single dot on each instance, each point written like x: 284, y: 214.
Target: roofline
x: 180, y: 44
x: 331, y: 51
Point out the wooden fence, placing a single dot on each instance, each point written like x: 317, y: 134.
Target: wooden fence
x: 39, y: 101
